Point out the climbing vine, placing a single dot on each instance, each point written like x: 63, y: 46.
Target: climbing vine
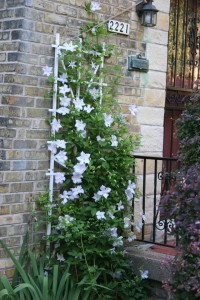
x: 91, y: 212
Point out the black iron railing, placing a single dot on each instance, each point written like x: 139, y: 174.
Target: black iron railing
x: 156, y: 175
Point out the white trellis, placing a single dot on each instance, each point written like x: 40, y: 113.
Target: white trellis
x: 59, y: 51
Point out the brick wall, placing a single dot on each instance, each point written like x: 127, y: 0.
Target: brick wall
x: 27, y: 30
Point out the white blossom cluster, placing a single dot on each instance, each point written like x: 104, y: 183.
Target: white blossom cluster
x: 67, y: 101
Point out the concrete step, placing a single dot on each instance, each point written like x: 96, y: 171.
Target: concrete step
x: 144, y: 256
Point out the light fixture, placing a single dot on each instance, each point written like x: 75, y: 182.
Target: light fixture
x: 147, y: 12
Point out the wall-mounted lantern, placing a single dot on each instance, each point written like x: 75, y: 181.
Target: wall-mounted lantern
x: 147, y: 12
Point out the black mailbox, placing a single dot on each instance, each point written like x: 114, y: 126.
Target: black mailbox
x: 138, y: 63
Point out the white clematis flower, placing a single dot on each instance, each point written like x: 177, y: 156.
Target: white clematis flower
x: 63, y: 110
x: 55, y: 124
x: 95, y: 6
x: 131, y: 237
x: 144, y: 274
x: 111, y: 214
x: 118, y: 242
x: 64, y: 89
x: 62, y: 78
x: 94, y: 93
x: 69, y: 46
x: 65, y: 197
x: 52, y: 146
x: 127, y: 222
x: 77, y: 177
x: 133, y: 109
x: 80, y: 125
x: 78, y: 104
x: 59, y: 177
x: 88, y: 108
x: 108, y: 120
x: 80, y: 168
x: 65, y: 101
x: 60, y: 257
x: 100, y: 215
x: 99, y: 139
x: 104, y: 191
x: 93, y: 65
x: 96, y: 197
x: 114, y: 141
x: 61, y: 157
x: 60, y: 144
x: 130, y: 191
x: 72, y: 64
x: 47, y: 70
x: 113, y: 231
x: 120, y: 205
x: 68, y: 219
x: 77, y: 190
x: 93, y: 30
x: 117, y: 275
x: 138, y: 226
x: 112, y: 250
x: 84, y: 158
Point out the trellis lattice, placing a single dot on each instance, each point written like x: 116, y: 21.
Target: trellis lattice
x: 74, y: 93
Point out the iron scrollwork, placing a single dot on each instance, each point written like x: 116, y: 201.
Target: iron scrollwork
x: 166, y: 224
x: 166, y: 175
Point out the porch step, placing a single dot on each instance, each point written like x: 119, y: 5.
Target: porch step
x: 150, y: 257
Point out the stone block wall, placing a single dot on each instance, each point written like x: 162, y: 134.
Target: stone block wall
x: 27, y: 30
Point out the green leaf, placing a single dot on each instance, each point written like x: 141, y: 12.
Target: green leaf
x: 36, y: 288
x: 22, y: 256
x: 55, y: 279
x: 16, y: 263
x: 27, y: 287
x: 3, y: 293
x: 45, y: 292
x: 7, y: 285
x: 34, y: 264
x: 63, y: 282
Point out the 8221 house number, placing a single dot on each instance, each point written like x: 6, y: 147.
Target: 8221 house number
x: 118, y: 27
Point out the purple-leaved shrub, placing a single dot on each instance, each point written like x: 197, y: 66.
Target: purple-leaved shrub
x: 183, y: 205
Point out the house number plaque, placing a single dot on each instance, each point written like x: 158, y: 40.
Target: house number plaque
x: 118, y: 27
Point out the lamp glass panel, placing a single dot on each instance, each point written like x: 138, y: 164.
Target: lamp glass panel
x: 149, y: 18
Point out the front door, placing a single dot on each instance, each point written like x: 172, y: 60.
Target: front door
x: 171, y: 145
x: 183, y: 70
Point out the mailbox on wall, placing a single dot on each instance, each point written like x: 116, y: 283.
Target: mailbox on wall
x: 138, y: 63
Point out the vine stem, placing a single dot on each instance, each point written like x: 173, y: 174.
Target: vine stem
x: 98, y: 25
x: 84, y: 254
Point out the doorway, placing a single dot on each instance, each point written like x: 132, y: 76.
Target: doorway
x: 183, y: 71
